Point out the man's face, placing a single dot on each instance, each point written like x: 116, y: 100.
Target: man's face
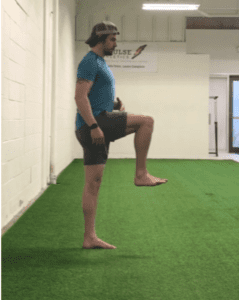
x: 110, y: 44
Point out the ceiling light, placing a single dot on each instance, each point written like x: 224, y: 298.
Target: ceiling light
x: 154, y: 6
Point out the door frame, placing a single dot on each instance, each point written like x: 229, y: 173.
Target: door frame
x: 47, y: 92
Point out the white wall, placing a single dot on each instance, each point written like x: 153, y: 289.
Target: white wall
x: 23, y: 102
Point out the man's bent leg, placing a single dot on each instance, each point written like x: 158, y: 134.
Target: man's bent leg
x: 142, y: 141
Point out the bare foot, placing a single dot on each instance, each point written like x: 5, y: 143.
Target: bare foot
x: 148, y: 180
x: 96, y: 243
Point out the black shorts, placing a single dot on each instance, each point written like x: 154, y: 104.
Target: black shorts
x: 113, y: 124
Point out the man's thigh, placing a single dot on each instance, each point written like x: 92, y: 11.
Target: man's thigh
x: 113, y: 125
x: 93, y: 154
x: 116, y: 125
x: 96, y: 154
x: 135, y: 121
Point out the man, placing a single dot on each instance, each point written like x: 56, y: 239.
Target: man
x: 97, y: 125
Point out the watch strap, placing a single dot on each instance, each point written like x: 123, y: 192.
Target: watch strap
x: 95, y: 125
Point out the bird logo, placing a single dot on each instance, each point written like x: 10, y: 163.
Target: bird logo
x: 139, y: 51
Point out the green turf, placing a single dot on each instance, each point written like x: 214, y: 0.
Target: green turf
x: 179, y: 240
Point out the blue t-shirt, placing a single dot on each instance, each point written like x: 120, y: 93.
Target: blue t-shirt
x: 93, y: 67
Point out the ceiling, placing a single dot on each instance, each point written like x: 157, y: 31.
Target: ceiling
x: 208, y: 8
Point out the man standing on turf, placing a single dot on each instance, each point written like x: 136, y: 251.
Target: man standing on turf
x: 97, y: 125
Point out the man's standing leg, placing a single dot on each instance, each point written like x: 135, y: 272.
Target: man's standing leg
x: 89, y: 203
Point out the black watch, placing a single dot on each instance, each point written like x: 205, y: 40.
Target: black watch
x: 95, y: 125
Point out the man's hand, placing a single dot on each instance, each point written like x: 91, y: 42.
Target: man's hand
x: 120, y: 105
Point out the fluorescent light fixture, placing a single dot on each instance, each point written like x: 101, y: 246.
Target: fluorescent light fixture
x: 154, y: 6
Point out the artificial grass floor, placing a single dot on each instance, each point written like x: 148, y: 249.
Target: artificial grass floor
x: 179, y: 240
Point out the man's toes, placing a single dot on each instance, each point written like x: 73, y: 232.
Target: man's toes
x: 160, y: 181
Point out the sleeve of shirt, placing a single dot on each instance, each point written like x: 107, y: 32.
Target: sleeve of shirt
x: 87, y: 69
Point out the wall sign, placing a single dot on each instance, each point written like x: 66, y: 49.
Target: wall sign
x: 133, y: 57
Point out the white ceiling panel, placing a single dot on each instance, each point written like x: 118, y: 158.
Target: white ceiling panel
x: 136, y: 24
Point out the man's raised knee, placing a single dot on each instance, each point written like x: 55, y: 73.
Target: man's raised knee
x: 150, y: 120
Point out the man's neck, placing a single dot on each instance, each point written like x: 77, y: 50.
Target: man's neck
x: 97, y: 54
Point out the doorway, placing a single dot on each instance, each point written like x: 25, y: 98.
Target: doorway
x: 234, y: 115
x: 225, y: 112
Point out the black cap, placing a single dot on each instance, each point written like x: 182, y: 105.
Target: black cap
x: 105, y: 27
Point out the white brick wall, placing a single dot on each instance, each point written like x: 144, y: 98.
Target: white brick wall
x: 23, y: 100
